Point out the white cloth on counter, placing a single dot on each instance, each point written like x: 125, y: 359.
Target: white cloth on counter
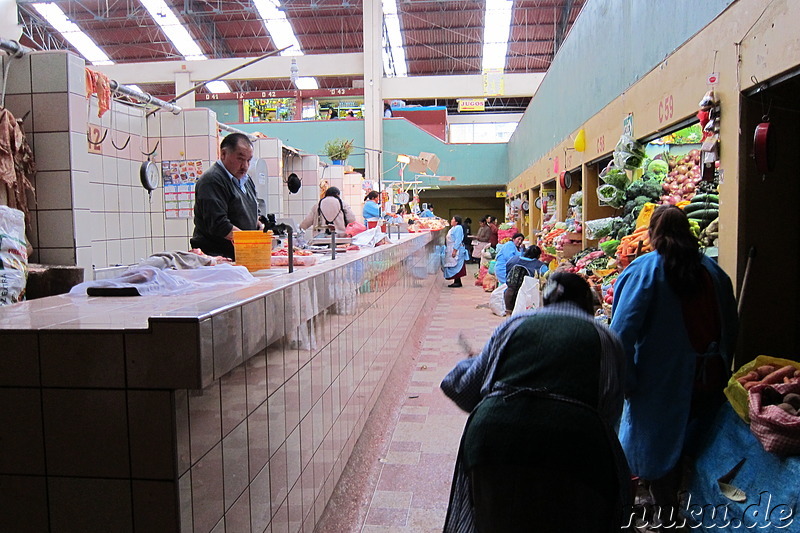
x: 368, y: 238
x: 149, y: 280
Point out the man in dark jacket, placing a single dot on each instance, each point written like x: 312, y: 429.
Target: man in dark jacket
x: 225, y: 199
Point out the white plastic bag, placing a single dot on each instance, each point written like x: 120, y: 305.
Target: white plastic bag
x: 529, y: 296
x: 148, y: 280
x: 13, y: 256
x: 497, y: 301
x: 368, y: 238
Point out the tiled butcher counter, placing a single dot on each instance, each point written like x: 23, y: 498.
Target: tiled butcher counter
x: 226, y: 411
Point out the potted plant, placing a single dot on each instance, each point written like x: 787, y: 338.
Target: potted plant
x: 338, y: 150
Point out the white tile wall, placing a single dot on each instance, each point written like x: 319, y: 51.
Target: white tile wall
x: 53, y: 189
x: 171, y: 125
x: 177, y: 243
x: 84, y: 259
x: 57, y: 256
x: 76, y: 74
x: 115, y: 220
x: 56, y: 229
x: 98, y: 230
x: 48, y: 112
x: 111, y: 199
x: 77, y: 105
x: 19, y: 74
x: 49, y: 72
x: 79, y: 151
x: 128, y: 252
x: 52, y: 151
x: 126, y: 230
x: 83, y: 227
x: 196, y: 120
x: 81, y: 190
x: 176, y: 227
x: 100, y: 253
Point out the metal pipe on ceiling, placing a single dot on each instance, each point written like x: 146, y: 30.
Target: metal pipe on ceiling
x: 231, y: 129
x: 145, y: 98
x: 14, y: 48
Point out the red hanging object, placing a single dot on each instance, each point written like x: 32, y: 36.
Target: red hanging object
x: 764, y: 148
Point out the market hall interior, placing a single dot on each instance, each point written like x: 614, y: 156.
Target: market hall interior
x: 92, y: 210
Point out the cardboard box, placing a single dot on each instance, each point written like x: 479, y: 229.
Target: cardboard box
x: 430, y: 160
x: 569, y: 250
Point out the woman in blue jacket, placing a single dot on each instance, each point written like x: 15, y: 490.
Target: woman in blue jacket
x: 510, y: 249
x: 675, y: 313
x: 372, y: 206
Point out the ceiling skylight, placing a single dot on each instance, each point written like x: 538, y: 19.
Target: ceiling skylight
x: 278, y: 27
x: 173, y: 28
x: 396, y: 64
x: 72, y: 33
x: 218, y: 86
x: 496, y: 28
x: 282, y: 34
x: 177, y: 33
x: 306, y: 83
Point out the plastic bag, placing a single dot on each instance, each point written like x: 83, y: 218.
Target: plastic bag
x: 489, y: 282
x: 598, y: 228
x: 13, y: 256
x: 629, y: 153
x: 497, y: 302
x: 735, y: 392
x: 611, y: 195
x: 576, y: 199
x: 614, y: 175
x: 354, y: 228
x: 368, y: 238
x: 528, y: 296
x: 776, y: 430
x: 148, y: 280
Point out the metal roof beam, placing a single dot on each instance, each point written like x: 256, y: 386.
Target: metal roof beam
x: 563, y: 21
x: 271, y: 67
x: 457, y: 86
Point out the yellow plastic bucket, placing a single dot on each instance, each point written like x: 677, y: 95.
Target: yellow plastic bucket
x: 253, y: 249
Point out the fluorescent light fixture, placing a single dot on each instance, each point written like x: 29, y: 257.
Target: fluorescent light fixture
x: 282, y: 34
x: 396, y: 64
x: 218, y: 87
x: 172, y: 27
x: 72, y: 33
x: 306, y: 83
x: 177, y: 33
x: 278, y: 27
x: 496, y: 28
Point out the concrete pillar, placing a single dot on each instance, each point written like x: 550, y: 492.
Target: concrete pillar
x: 373, y: 102
x: 183, y: 82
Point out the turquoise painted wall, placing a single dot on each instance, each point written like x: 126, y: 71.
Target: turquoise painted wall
x: 310, y: 135
x: 612, y: 44
x: 471, y: 164
x: 227, y: 110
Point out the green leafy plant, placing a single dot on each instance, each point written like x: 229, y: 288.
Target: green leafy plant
x: 338, y: 149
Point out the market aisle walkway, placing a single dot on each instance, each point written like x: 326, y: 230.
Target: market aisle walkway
x: 406, y: 480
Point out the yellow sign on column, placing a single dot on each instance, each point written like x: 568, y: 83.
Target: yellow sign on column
x: 500, y: 194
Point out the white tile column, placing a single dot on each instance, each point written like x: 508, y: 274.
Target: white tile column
x: 373, y: 74
x: 183, y: 82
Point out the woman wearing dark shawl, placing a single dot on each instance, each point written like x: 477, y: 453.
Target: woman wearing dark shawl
x: 539, y: 452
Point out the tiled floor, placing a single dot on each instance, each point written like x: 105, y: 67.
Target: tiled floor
x: 400, y: 479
